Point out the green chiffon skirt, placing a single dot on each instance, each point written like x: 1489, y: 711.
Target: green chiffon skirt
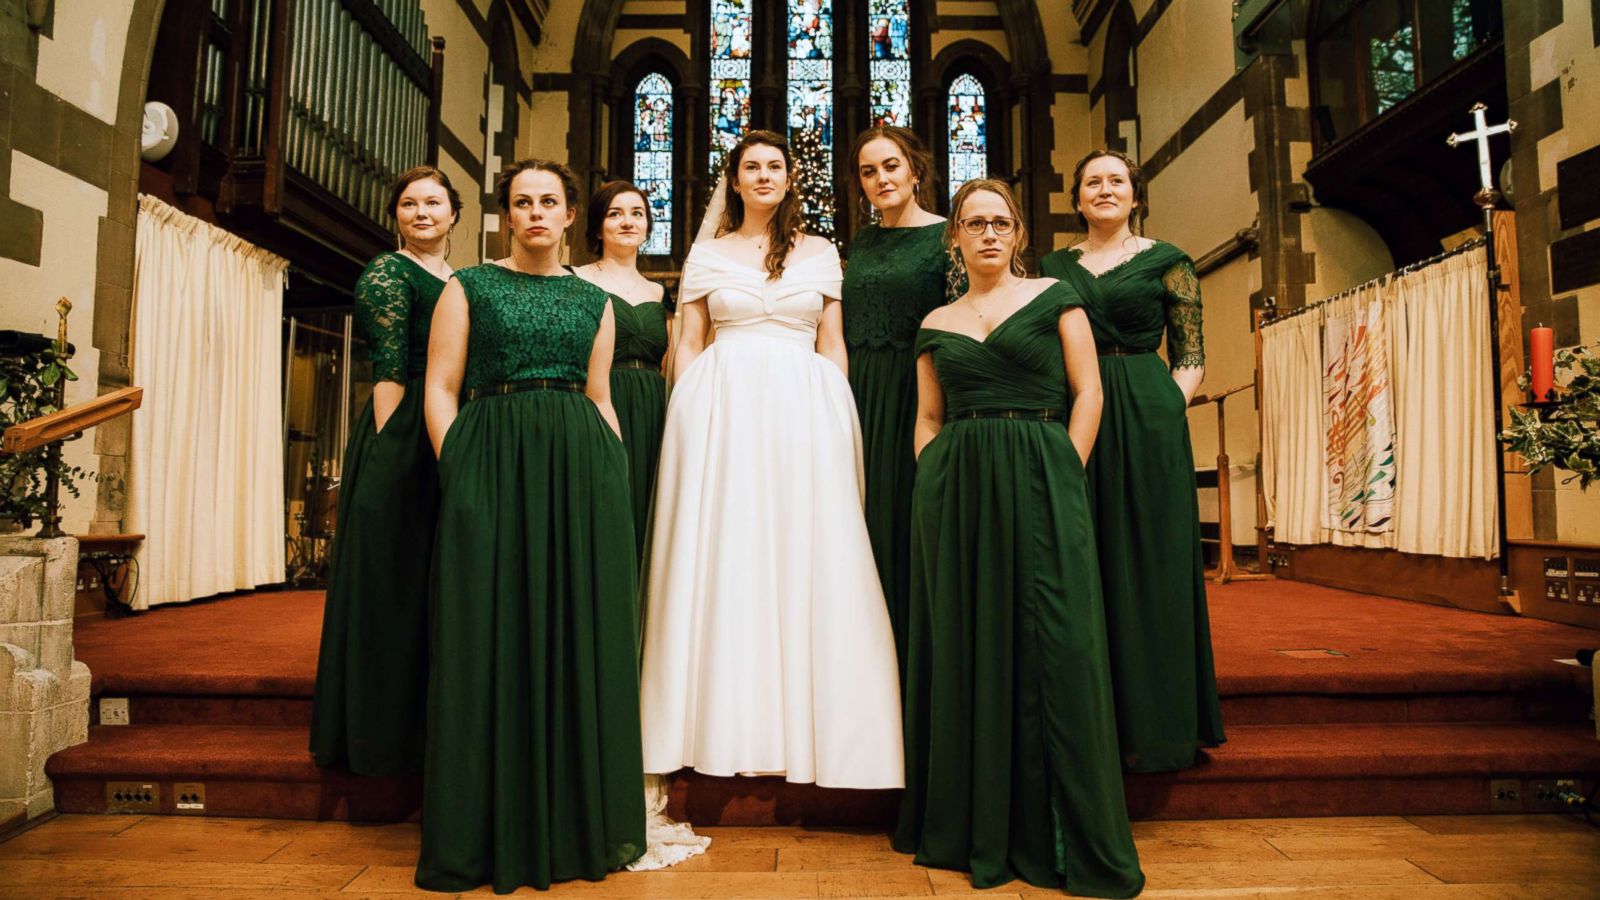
x: 640, y: 398
x: 534, y: 768
x: 1011, y: 747
x: 372, y: 669
x: 1147, y: 521
x: 884, y: 382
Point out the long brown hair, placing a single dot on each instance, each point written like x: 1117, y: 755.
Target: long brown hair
x: 783, y: 232
x: 1141, y: 188
x: 952, y: 227
x: 916, y: 156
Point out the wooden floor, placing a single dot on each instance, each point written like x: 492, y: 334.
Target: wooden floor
x: 1418, y: 857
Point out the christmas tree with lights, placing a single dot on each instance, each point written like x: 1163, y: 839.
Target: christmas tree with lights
x: 816, y: 187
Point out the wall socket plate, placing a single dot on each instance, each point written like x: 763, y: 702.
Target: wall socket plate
x: 189, y: 798
x: 1505, y: 795
x: 113, y: 710
x: 132, y: 797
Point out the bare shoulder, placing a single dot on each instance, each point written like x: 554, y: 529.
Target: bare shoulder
x: 1144, y: 243
x: 809, y: 245
x: 937, y: 316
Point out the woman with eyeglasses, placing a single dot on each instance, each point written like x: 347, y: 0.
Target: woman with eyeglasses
x: 1011, y: 749
x: 898, y: 273
x: 1141, y: 483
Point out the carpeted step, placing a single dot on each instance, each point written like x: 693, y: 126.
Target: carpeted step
x: 1263, y: 771
x: 260, y: 771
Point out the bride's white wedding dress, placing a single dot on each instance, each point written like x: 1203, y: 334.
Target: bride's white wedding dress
x: 767, y: 646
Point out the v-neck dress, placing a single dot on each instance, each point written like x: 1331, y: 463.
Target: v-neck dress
x: 1011, y: 746
x: 372, y: 665
x: 1147, y: 516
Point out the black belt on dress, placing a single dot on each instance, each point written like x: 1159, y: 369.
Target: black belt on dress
x: 526, y: 384
x: 635, y: 364
x: 1119, y: 350
x: 1037, y: 415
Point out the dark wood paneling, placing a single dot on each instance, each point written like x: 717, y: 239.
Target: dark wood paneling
x: 1463, y: 583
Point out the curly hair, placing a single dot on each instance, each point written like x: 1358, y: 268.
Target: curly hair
x: 784, y: 231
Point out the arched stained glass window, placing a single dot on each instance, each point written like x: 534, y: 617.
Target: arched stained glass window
x: 652, y: 157
x: 810, y: 30
x: 889, y: 61
x: 968, y: 132
x: 731, y: 37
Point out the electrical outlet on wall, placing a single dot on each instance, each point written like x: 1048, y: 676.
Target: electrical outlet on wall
x: 113, y: 710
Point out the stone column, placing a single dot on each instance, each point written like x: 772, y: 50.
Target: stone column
x: 44, y: 692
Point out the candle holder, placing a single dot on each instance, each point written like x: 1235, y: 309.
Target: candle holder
x: 1563, y: 431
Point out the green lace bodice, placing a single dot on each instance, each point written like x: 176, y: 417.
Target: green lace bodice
x: 1133, y: 302
x: 529, y: 326
x: 895, y: 277
x: 1018, y: 366
x: 641, y: 330
x: 395, y: 298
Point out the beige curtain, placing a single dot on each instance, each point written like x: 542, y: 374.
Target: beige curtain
x: 1446, y: 505
x: 206, y: 465
x: 1294, y: 476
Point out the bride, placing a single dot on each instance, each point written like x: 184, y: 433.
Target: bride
x: 767, y: 646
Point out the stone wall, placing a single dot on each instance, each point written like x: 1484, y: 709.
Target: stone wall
x: 44, y: 692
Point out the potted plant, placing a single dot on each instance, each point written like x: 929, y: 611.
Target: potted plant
x: 29, y: 382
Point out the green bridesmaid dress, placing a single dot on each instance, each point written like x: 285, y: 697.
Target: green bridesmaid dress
x: 1147, y: 516
x: 639, y: 392
x: 1011, y: 745
x: 895, y: 277
x: 533, y: 753
x: 372, y: 670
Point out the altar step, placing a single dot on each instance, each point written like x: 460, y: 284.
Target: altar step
x: 1263, y: 771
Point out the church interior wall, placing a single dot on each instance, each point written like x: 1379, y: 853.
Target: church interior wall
x: 466, y: 60
x: 1186, y: 56
x: 1553, y: 79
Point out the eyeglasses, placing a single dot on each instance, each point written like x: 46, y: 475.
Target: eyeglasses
x: 1002, y: 225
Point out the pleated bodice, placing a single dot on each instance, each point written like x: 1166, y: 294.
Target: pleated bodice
x: 1018, y: 366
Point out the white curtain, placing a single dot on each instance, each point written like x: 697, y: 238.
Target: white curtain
x: 1294, y: 476
x: 206, y: 466
x: 1446, y: 505
x: 1436, y: 323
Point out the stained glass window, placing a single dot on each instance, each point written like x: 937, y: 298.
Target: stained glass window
x: 811, y: 107
x: 731, y: 37
x: 652, y: 157
x: 889, y: 61
x: 968, y: 132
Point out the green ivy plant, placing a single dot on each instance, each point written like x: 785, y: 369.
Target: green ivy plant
x: 27, y: 391
x: 1565, y: 433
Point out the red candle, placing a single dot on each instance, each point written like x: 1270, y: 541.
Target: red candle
x: 1541, y: 355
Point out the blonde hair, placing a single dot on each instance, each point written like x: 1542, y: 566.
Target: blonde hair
x: 952, y: 228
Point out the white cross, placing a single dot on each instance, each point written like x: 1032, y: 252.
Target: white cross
x: 1482, y: 134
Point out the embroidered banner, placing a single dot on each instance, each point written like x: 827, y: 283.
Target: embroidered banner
x: 1358, y: 415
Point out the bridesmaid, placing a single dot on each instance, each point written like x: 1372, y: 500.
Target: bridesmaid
x: 619, y: 222
x: 898, y: 273
x: 533, y: 751
x: 1011, y: 745
x: 372, y: 671
x: 1142, y: 483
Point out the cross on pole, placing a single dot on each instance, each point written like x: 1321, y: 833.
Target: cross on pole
x: 1488, y: 196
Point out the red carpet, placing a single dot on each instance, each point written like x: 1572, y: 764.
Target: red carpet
x: 1413, y: 711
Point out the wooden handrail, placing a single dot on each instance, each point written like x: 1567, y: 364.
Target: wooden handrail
x: 1226, y: 570
x: 47, y: 429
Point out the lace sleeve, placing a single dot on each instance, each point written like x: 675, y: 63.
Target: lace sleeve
x: 1185, y: 344
x: 383, y: 306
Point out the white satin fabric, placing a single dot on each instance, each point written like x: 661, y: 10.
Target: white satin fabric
x: 767, y: 647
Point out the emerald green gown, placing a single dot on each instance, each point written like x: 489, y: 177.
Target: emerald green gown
x: 1147, y: 516
x: 1011, y: 745
x: 895, y: 277
x: 639, y: 392
x: 372, y: 669
x: 533, y: 753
